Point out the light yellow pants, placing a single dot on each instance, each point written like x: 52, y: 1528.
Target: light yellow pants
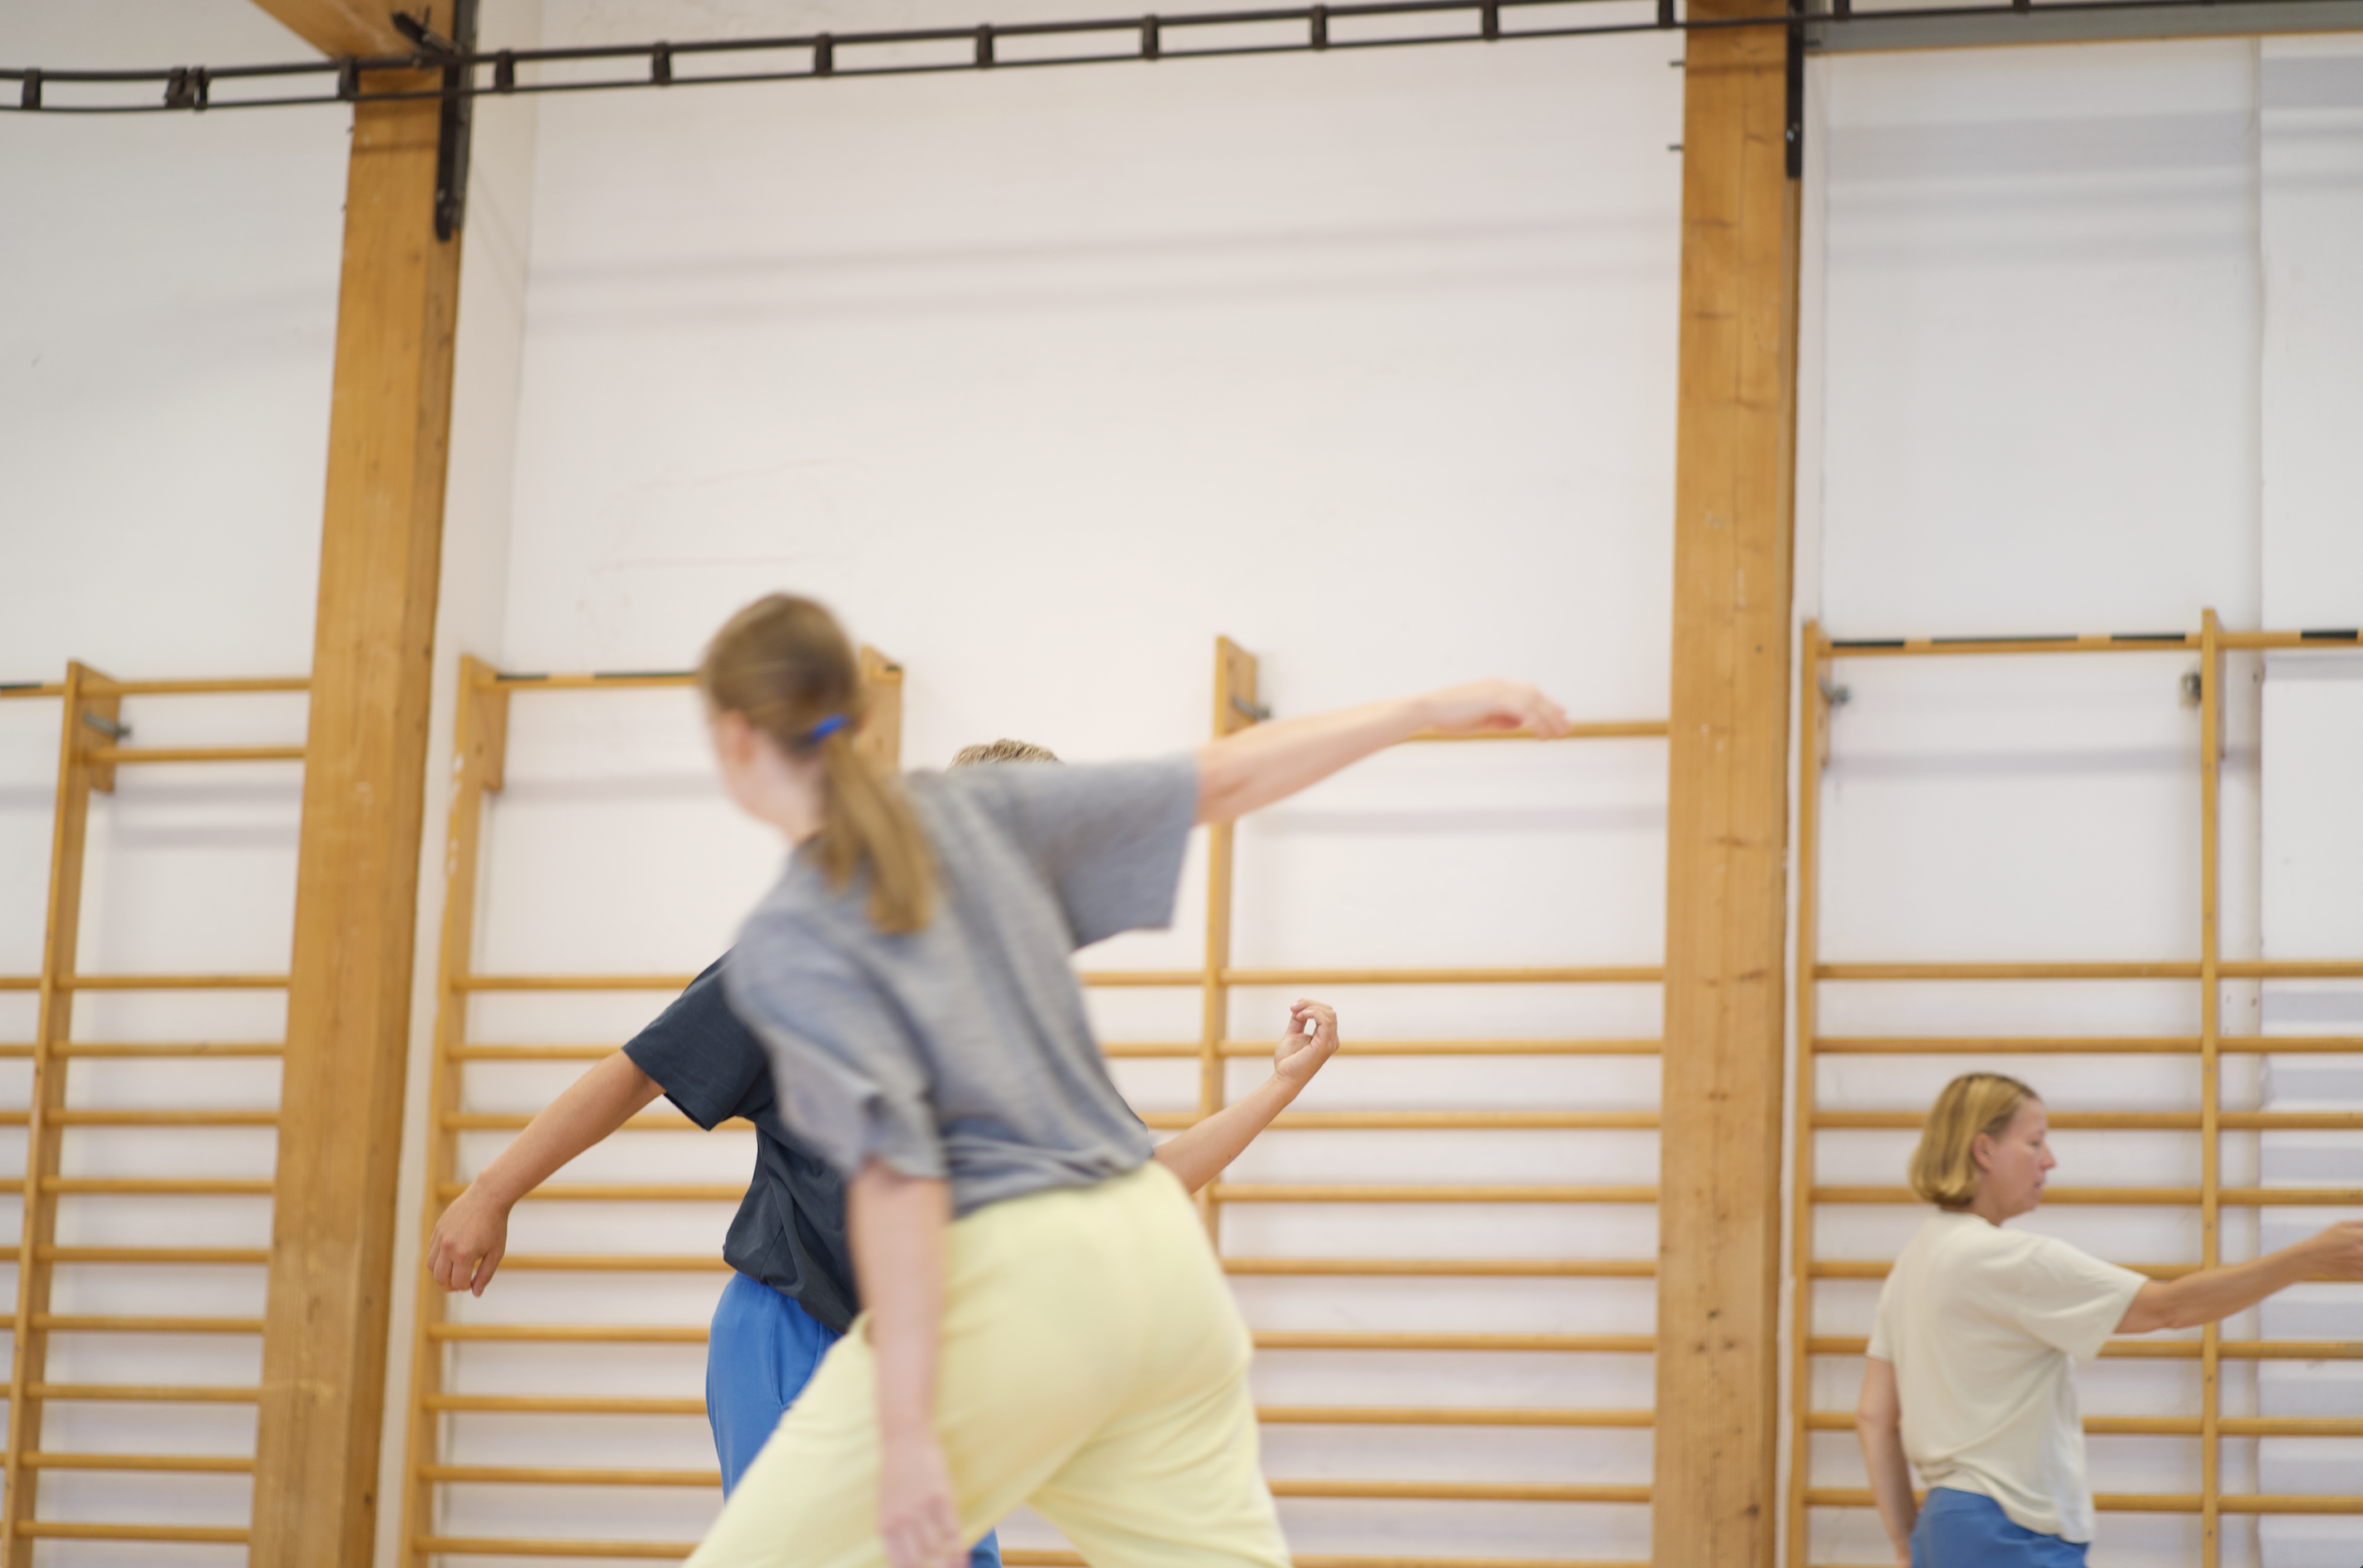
x: 1093, y: 1365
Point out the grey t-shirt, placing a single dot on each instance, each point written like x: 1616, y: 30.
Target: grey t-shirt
x: 961, y: 1050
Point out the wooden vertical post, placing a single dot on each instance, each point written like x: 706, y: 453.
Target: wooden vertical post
x: 480, y: 747
x: 1234, y: 671
x: 324, y: 1356
x: 1812, y: 751
x: 86, y: 692
x: 2210, y: 1077
x: 1714, y: 1499
x: 883, y: 734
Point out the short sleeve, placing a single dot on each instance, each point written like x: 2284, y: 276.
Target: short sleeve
x: 847, y: 1075
x: 2067, y: 1297
x: 1108, y: 838
x: 1882, y: 1337
x: 702, y: 1057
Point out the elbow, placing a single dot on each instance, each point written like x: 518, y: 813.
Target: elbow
x: 1221, y: 789
x: 2157, y: 1306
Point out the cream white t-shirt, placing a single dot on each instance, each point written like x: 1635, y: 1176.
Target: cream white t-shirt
x: 1983, y: 1327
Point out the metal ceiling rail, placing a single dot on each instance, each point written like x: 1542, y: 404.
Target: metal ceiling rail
x: 1146, y: 39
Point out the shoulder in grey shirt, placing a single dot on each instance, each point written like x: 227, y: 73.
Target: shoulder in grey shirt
x: 961, y: 1051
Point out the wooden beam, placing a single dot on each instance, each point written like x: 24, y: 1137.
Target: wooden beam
x: 356, y: 880
x: 343, y: 28
x: 1719, y: 1214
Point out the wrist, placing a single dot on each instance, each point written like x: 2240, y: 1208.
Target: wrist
x: 492, y: 1188
x: 909, y: 1427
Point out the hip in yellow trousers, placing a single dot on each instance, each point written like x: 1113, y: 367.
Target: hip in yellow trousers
x: 1092, y: 1364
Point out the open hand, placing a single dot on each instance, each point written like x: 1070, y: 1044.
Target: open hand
x: 1494, y: 705
x: 467, y: 1243
x: 1311, y: 1041
x: 915, y: 1505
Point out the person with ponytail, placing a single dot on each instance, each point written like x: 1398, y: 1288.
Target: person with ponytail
x: 1045, y: 1321
x: 791, y: 1292
x: 1970, y: 1377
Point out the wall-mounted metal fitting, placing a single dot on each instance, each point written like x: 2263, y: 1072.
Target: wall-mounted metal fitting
x: 2193, y: 689
x: 1835, y: 696
x: 106, y: 726
x: 1254, y: 712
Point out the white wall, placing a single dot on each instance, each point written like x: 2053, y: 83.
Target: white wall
x: 2311, y: 224
x: 164, y: 416
x: 1045, y: 380
x: 2073, y: 364
x: 163, y: 419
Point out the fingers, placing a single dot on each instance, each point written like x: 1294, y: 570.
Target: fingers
x: 926, y: 1537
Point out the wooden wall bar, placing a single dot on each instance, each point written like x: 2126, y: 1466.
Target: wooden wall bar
x: 1719, y: 1212
x: 2204, y: 1421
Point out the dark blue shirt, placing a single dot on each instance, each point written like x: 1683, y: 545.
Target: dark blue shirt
x: 790, y: 1232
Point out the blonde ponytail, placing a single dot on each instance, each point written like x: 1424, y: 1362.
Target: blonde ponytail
x: 785, y: 666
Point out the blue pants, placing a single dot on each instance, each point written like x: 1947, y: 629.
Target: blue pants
x: 1963, y: 1530
x: 763, y: 1349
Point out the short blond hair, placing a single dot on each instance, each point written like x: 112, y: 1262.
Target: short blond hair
x: 1003, y: 751
x: 1945, y: 1165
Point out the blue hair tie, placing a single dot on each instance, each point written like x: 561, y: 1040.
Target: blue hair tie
x: 824, y: 729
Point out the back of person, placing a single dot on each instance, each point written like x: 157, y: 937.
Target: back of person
x: 962, y: 1050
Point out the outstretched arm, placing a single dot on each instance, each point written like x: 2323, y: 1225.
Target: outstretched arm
x: 468, y: 1243
x: 1878, y: 1423
x: 896, y: 1225
x: 1202, y: 1153
x: 1250, y: 770
x: 2213, y: 1294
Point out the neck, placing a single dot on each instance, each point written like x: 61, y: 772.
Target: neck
x: 1988, y: 1207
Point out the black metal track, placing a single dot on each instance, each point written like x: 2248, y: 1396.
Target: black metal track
x: 1149, y: 39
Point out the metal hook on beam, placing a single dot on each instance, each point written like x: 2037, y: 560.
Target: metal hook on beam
x: 1254, y: 712
x: 110, y: 728
x: 1835, y: 696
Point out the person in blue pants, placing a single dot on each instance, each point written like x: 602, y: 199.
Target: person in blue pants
x: 790, y: 1294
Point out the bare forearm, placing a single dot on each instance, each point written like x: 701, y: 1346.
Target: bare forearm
x: 600, y: 1102
x: 1247, y: 771
x: 1202, y: 1152
x: 1890, y: 1482
x: 2213, y: 1294
x: 896, y: 1225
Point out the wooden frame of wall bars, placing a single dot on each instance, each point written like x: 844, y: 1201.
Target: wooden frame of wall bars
x: 89, y: 751
x: 481, y: 740
x: 1819, y: 656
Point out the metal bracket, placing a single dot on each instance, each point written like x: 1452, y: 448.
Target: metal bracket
x: 2194, y: 690
x: 1835, y: 696
x: 112, y: 730
x: 458, y: 106
x: 1253, y: 713
x: 1795, y: 112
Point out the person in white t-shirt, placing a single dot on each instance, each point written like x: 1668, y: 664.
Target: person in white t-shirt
x: 1970, y: 1370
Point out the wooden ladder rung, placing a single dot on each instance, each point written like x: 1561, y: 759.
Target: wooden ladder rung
x: 202, y: 1464
x: 143, y: 1393
x: 564, y: 1475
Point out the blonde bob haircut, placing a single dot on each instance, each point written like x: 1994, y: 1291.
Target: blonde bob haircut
x: 1945, y: 1165
x: 785, y: 666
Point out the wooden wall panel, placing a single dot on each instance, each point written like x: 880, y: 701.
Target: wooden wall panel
x: 357, y: 874
x: 1720, y: 1188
